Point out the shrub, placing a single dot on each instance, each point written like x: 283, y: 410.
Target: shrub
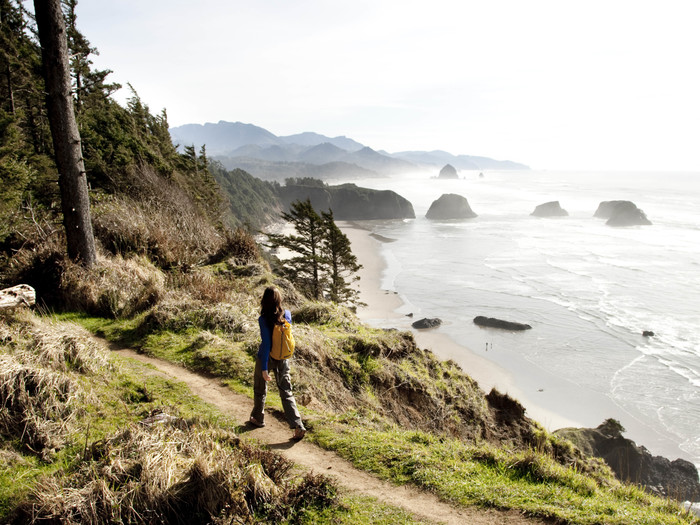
x: 240, y: 246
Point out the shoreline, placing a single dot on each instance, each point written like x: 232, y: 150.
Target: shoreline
x: 383, y: 310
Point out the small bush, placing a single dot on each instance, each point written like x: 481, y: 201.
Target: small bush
x: 239, y: 246
x: 321, y: 313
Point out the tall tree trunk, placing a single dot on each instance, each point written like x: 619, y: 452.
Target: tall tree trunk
x: 75, y: 201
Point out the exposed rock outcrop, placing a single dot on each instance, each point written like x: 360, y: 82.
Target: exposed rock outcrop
x: 550, y: 209
x: 621, y: 213
x: 448, y: 171
x: 500, y: 323
x: 350, y: 202
x: 676, y: 479
x: 450, y: 206
x: 427, y: 323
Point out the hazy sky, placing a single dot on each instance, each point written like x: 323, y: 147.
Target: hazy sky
x: 557, y: 84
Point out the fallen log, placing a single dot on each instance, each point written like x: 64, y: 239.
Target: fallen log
x: 20, y: 295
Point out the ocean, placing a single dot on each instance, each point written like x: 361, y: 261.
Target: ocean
x: 588, y: 290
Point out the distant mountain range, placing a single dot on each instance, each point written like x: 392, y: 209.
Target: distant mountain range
x: 267, y: 156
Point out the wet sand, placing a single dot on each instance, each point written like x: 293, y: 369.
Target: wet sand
x: 385, y: 309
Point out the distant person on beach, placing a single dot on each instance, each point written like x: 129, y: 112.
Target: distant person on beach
x: 271, y: 313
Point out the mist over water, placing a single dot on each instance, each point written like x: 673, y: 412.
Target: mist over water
x: 587, y: 289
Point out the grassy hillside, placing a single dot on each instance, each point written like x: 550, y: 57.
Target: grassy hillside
x: 89, y: 437
x: 371, y: 395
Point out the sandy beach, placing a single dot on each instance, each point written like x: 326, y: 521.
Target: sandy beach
x: 385, y: 309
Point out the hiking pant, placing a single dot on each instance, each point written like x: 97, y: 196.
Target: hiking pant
x: 280, y: 369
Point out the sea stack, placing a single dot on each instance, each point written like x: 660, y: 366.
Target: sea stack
x: 550, y: 209
x: 448, y: 171
x: 450, y: 206
x: 621, y: 213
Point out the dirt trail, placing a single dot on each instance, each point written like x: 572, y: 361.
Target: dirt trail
x: 277, y: 436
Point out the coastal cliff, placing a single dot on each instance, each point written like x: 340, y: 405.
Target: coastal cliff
x: 348, y: 201
x: 635, y: 464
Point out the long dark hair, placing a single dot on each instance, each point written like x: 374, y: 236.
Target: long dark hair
x: 271, y: 306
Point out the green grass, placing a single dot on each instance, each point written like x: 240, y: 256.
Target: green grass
x: 356, y: 509
x: 492, y: 477
x: 466, y: 475
x: 123, y: 394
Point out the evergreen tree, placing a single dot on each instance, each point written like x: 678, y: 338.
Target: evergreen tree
x: 340, y: 262
x: 323, y: 263
x: 305, y: 268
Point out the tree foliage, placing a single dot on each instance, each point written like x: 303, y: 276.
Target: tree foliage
x: 323, y: 264
x: 339, y: 261
x: 304, y: 268
x: 252, y: 202
x: 125, y: 148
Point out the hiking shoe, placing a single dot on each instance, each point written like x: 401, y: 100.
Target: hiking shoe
x: 255, y: 422
x: 299, y: 434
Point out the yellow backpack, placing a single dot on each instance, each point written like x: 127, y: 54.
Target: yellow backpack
x: 282, y: 341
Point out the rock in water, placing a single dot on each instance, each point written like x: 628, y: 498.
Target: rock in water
x: 427, y: 323
x: 450, y: 206
x: 448, y: 171
x: 550, y: 209
x: 500, y: 323
x: 621, y: 213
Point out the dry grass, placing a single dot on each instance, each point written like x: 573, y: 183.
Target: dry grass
x: 179, y: 315
x: 39, y: 392
x: 170, y: 235
x: 240, y: 246
x: 114, y: 287
x: 38, y: 404
x: 169, y: 474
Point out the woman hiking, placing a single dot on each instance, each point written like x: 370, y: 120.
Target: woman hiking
x: 271, y: 314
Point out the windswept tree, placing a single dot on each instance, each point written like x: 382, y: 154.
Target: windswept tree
x: 304, y: 268
x: 75, y: 201
x: 323, y: 264
x: 340, y: 262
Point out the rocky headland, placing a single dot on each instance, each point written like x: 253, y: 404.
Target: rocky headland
x: 349, y: 201
x: 676, y: 479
